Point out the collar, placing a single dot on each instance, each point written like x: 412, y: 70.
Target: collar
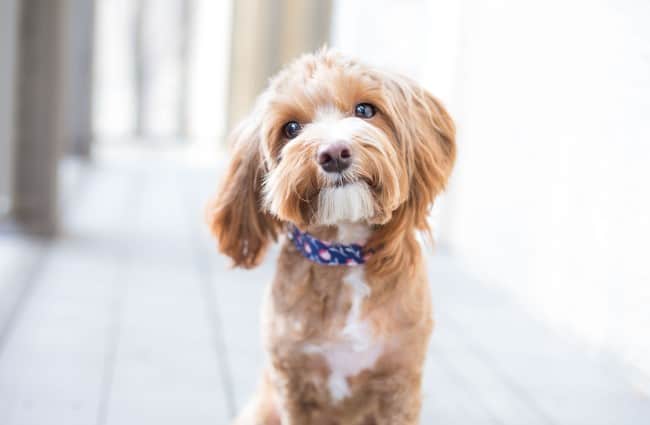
x: 326, y: 253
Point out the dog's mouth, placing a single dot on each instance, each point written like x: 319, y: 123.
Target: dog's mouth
x: 342, y: 180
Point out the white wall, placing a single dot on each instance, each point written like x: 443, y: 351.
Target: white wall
x: 550, y: 196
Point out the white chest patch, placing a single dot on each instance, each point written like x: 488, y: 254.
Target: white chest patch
x: 355, y: 350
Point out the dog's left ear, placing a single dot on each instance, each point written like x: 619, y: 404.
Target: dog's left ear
x: 236, y: 217
x: 427, y: 136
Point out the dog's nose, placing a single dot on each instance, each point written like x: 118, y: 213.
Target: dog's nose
x: 334, y: 158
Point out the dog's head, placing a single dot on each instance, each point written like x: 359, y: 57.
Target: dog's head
x: 332, y: 141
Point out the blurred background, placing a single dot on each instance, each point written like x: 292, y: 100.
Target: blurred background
x: 114, y: 305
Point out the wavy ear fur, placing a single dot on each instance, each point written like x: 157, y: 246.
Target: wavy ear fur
x: 426, y: 134
x: 242, y: 228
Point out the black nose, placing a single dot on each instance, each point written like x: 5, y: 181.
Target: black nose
x: 334, y: 158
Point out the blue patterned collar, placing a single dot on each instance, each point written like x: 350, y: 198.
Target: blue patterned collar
x: 329, y: 254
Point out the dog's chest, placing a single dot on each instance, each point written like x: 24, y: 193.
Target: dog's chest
x: 319, y: 324
x: 352, y: 347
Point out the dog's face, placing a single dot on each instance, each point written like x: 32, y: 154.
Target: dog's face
x: 333, y: 141
x: 330, y: 147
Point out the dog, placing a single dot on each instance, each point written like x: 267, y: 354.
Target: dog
x: 343, y: 161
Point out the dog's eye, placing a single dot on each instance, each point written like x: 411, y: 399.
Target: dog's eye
x: 291, y: 129
x: 364, y: 110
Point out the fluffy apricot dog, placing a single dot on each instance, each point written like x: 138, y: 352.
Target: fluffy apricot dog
x: 343, y: 161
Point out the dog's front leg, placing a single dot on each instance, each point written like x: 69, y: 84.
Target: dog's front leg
x: 292, y: 413
x: 293, y: 408
x: 400, y: 400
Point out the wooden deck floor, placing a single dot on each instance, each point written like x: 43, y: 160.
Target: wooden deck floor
x: 130, y: 317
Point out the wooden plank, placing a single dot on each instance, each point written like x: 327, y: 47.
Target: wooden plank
x: 235, y: 322
x: 20, y: 261
x: 51, y: 367
x: 503, y: 402
x: 447, y: 396
x: 166, y: 368
x: 116, y: 331
x: 237, y: 296
x: 241, y: 320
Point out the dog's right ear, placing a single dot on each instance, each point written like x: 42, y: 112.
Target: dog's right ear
x: 235, y: 216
